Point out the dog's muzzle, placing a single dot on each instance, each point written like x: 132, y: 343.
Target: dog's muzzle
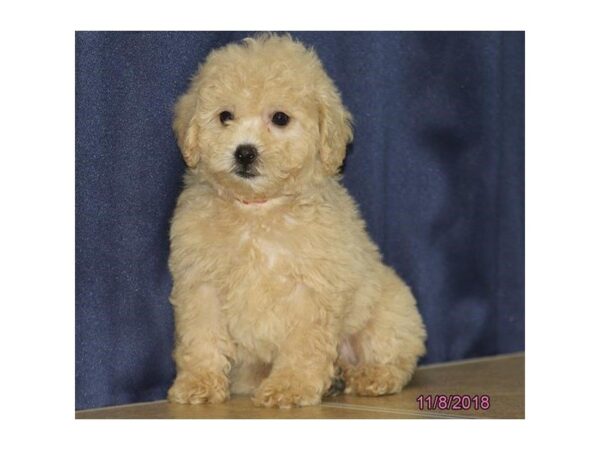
x: 246, y: 156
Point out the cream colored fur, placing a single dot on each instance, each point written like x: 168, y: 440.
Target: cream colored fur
x: 276, y: 281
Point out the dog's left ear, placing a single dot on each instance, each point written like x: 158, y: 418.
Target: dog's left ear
x: 185, y: 130
x: 335, y: 128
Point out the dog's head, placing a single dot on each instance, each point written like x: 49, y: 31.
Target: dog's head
x: 262, y: 118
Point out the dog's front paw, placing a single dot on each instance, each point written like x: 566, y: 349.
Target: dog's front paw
x: 207, y: 387
x: 286, y: 391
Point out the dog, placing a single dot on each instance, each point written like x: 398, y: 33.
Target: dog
x: 278, y: 291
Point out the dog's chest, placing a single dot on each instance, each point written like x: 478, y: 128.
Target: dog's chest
x: 260, y: 249
x: 258, y: 286
x: 262, y: 264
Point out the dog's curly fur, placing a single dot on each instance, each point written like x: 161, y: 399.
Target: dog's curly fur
x: 276, y: 282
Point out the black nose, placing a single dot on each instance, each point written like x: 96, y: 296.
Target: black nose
x: 246, y: 154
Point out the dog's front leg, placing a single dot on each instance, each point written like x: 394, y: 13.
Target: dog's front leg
x: 203, y: 347
x: 303, y: 369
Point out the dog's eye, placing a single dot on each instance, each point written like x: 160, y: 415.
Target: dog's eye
x: 280, y: 119
x: 225, y: 117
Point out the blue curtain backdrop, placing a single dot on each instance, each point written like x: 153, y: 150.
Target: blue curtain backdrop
x: 436, y: 167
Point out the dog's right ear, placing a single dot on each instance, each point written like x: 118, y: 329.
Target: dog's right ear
x: 185, y: 129
x: 335, y: 127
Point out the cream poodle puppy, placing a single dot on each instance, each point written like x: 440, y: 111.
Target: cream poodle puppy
x: 277, y: 287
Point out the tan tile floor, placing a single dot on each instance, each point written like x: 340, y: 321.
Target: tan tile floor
x: 502, y: 378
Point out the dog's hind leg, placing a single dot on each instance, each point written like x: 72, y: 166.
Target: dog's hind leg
x: 388, y: 347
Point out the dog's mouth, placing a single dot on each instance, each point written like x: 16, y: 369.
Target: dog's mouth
x: 245, y: 174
